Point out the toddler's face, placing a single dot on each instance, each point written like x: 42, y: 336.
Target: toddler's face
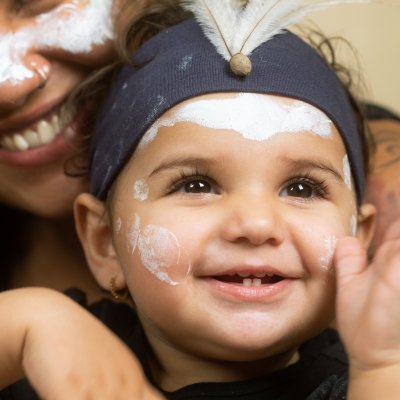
x: 225, y: 223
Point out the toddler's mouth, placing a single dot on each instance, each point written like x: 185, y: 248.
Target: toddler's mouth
x: 44, y: 132
x: 247, y: 279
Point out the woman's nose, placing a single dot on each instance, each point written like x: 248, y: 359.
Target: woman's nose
x: 255, y: 219
x: 20, y: 77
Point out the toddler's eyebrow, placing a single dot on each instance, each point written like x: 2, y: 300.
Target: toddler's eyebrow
x: 295, y: 164
x: 309, y: 164
x: 183, y: 162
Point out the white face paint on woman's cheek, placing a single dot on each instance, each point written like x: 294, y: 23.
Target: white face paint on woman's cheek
x: 69, y: 27
x: 159, y: 251
x: 255, y: 117
x: 326, y: 259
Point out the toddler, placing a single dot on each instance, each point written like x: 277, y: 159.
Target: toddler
x: 227, y: 177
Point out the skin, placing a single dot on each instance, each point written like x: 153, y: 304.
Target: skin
x: 48, y: 337
x: 34, y: 179
x: 272, y: 216
x: 383, y: 188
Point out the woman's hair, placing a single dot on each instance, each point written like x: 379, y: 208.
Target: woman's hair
x: 136, y: 22
x: 134, y: 27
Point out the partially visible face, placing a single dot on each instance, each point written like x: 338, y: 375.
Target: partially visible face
x: 60, y: 42
x: 383, y: 186
x: 226, y: 235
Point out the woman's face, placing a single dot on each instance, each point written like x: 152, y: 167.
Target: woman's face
x: 47, y: 47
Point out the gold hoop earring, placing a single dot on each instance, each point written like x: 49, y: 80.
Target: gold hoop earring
x: 42, y: 76
x: 117, y: 295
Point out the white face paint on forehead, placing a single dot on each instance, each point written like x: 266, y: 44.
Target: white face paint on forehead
x: 254, y: 116
x: 70, y: 27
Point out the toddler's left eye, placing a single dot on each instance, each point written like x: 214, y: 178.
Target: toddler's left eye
x: 302, y: 190
x: 197, y: 186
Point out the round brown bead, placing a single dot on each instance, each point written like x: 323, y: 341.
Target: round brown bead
x: 240, y: 64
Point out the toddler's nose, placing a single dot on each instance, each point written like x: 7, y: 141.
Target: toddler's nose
x: 253, y: 219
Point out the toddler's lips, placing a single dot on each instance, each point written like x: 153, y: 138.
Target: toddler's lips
x: 259, y: 287
x: 247, y: 279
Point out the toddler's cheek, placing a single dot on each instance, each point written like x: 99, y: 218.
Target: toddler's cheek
x: 162, y: 254
x: 157, y: 249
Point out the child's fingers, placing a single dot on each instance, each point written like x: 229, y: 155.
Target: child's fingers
x: 350, y: 260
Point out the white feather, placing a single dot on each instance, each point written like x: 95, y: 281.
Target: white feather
x: 234, y: 29
x: 263, y: 19
x: 218, y: 18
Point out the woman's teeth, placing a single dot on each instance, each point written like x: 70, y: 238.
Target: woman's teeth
x: 44, y: 133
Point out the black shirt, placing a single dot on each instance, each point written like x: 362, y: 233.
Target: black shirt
x: 320, y: 374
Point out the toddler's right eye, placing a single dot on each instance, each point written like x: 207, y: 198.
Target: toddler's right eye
x: 194, y: 184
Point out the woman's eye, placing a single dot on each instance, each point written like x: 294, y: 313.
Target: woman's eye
x: 303, y: 190
x: 34, y: 7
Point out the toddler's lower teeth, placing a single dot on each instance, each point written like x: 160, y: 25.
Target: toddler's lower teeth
x: 251, y: 282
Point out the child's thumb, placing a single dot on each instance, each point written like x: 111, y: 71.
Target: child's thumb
x: 350, y: 259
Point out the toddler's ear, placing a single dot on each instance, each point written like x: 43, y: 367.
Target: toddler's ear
x: 95, y: 234
x: 366, y: 224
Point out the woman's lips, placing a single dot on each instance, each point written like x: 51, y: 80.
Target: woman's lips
x: 40, y: 134
x: 49, y: 141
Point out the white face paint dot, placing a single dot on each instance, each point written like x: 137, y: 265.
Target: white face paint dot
x: 140, y: 190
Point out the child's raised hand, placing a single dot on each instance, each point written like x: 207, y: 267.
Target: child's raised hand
x: 368, y: 309
x: 64, y: 351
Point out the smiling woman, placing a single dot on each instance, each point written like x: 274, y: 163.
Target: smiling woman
x: 47, y: 48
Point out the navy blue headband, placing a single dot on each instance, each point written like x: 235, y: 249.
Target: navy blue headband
x: 180, y: 63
